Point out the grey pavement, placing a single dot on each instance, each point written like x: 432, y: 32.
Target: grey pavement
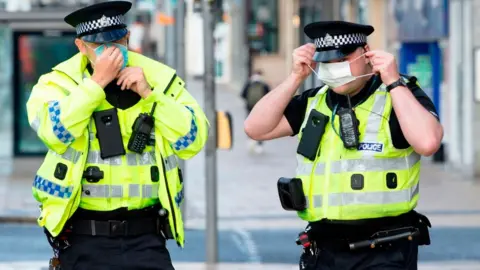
x: 254, y: 227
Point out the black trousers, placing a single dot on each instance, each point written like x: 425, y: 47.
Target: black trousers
x: 402, y: 255
x: 144, y: 252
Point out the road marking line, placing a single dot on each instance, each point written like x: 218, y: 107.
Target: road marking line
x: 246, y: 244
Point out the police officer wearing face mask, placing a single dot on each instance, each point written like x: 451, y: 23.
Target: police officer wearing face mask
x: 115, y: 123
x: 361, y: 138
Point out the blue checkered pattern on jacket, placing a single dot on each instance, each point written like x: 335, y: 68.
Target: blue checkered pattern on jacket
x: 58, y: 129
x: 179, y: 197
x: 51, y: 188
x: 188, y: 139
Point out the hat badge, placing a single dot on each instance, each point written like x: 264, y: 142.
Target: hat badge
x: 328, y: 40
x: 104, y: 21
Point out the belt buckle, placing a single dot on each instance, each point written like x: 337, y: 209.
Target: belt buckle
x: 118, y: 228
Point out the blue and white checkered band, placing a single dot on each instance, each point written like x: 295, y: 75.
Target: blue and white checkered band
x: 340, y: 40
x: 103, y: 22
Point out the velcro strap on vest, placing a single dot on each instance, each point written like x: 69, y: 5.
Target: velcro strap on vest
x: 117, y: 227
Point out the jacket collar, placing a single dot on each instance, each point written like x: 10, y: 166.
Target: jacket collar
x: 157, y: 74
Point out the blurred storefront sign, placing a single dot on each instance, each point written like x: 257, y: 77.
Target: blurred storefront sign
x: 420, y: 20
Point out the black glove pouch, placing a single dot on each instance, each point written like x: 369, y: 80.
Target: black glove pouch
x: 290, y: 191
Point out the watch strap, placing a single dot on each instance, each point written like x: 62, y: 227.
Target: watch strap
x: 399, y: 82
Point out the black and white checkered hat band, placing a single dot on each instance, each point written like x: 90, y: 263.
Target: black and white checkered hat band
x: 340, y: 40
x: 103, y: 22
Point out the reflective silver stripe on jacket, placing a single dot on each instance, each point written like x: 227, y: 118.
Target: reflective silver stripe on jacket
x: 117, y: 191
x: 373, y: 165
x: 361, y: 165
x: 377, y: 197
x: 70, y: 154
x: 132, y: 159
x: 304, y: 168
x: 366, y: 198
x: 374, y: 121
x: 147, y: 158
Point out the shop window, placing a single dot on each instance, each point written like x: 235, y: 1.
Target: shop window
x: 263, y: 25
x: 35, y: 53
x: 362, y: 12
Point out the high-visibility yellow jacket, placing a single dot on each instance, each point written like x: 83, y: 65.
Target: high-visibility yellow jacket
x: 376, y: 180
x: 60, y: 110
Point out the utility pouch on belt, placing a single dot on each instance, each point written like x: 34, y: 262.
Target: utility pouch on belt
x: 290, y: 191
x: 422, y: 223
x: 312, y: 135
x: 108, y: 133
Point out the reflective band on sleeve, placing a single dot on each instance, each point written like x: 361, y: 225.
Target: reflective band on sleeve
x: 188, y: 139
x: 51, y: 188
x: 58, y: 129
x: 377, y: 198
x: 70, y: 154
x: 372, y: 165
x: 171, y: 162
x: 35, y: 125
x: 117, y: 191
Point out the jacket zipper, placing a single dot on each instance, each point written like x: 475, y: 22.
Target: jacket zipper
x: 169, y: 197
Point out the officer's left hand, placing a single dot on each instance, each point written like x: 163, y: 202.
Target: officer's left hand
x: 134, y: 79
x: 384, y: 63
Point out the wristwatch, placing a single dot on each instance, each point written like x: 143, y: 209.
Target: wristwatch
x: 399, y: 82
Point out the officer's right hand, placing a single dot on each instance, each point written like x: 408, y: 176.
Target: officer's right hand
x: 107, y: 66
x: 302, y: 59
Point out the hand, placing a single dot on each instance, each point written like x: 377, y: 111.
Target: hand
x: 302, y: 59
x: 384, y: 63
x: 107, y: 66
x: 134, y: 79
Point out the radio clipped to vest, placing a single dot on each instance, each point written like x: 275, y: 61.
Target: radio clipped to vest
x: 141, y: 130
x: 349, y: 123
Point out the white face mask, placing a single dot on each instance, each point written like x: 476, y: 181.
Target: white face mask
x: 337, y: 74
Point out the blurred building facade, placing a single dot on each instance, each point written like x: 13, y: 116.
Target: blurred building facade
x: 417, y: 32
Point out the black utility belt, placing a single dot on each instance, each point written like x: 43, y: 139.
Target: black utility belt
x: 158, y: 224
x: 113, y: 228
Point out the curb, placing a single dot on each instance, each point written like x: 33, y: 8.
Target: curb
x: 17, y: 219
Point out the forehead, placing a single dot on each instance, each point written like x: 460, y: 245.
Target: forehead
x: 94, y: 45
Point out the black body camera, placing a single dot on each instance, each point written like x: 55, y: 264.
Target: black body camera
x: 292, y: 197
x: 312, y: 134
x: 141, y: 130
x: 349, y: 128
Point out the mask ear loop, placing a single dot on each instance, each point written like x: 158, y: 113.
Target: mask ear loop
x: 313, y: 70
x: 365, y: 75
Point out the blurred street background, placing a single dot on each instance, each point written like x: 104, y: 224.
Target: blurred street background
x: 438, y: 41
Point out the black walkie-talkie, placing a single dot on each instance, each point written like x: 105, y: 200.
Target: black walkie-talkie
x: 141, y: 129
x: 349, y: 127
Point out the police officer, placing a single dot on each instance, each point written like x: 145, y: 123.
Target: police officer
x: 115, y: 123
x: 361, y: 137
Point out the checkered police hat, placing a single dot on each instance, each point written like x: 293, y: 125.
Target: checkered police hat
x: 336, y: 39
x: 100, y: 23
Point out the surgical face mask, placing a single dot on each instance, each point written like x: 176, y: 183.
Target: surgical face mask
x: 337, y: 74
x: 123, y: 49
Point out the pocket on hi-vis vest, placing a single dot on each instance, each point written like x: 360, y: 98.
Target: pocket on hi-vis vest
x: 373, y: 147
